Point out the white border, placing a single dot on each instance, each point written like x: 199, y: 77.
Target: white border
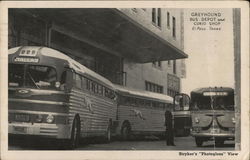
x: 30, y: 155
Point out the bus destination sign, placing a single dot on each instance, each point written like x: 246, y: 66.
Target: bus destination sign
x: 215, y: 93
x: 26, y: 60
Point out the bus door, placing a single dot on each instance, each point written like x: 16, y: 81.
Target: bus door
x: 181, y: 114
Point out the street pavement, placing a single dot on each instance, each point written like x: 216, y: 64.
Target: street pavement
x: 148, y: 143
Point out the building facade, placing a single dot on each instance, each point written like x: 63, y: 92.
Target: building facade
x: 137, y: 47
x: 158, y: 76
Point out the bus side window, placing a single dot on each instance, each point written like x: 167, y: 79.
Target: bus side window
x: 122, y: 100
x: 106, y: 92
x: 63, y: 80
x: 84, y: 83
x: 147, y: 103
x: 127, y: 101
x: 103, y: 91
x: 92, y: 86
x: 136, y: 102
x: 161, y: 105
x: 100, y: 89
x: 74, y: 79
x: 78, y: 81
x: 88, y: 85
x: 96, y: 88
x: 132, y: 101
x: 140, y: 103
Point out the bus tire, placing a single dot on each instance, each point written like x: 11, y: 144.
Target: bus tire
x: 218, y: 142
x: 75, y: 133
x: 198, y: 141
x: 125, y: 132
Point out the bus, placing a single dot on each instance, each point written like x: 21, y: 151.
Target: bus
x: 141, y: 113
x: 213, y: 115
x: 51, y: 95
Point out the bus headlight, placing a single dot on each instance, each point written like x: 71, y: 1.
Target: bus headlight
x: 57, y: 84
x: 50, y: 119
x: 233, y: 120
x: 196, y: 120
x: 39, y: 118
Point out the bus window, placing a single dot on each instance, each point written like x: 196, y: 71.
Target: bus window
x: 106, y: 92
x: 39, y: 77
x: 100, y: 89
x: 103, y: 91
x: 96, y: 88
x: 161, y: 105
x: 63, y: 80
x: 132, y: 101
x: 93, y: 86
x: 125, y: 100
x: 140, y: 102
x: 154, y: 104
x: 112, y: 95
x: 84, y: 83
x: 147, y: 103
x: 88, y: 84
x: 78, y: 81
x: 121, y: 100
x: 137, y: 102
x: 16, y: 75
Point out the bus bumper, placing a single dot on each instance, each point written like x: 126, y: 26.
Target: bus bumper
x: 59, y: 131
x: 228, y: 135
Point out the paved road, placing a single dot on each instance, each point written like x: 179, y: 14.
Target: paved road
x: 150, y: 143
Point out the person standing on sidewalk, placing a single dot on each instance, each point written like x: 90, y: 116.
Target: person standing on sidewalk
x: 169, y: 128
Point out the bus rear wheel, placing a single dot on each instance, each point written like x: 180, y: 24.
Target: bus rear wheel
x: 75, y: 134
x: 125, y: 131
x: 198, y: 141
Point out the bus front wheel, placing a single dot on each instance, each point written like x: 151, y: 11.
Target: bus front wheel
x: 125, y: 131
x: 75, y: 133
x: 198, y: 141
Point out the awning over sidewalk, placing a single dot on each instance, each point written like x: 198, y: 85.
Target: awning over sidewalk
x: 113, y: 30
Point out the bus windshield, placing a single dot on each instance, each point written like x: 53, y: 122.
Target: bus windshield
x: 32, y: 76
x: 213, y: 103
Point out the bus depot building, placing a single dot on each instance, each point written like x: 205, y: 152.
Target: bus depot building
x: 139, y: 48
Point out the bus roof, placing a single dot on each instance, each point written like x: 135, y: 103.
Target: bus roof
x: 212, y: 89
x: 45, y: 51
x: 143, y: 94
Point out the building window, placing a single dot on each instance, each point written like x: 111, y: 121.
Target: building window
x: 156, y: 16
x: 174, y: 66
x: 169, y: 63
x: 174, y: 27
x: 173, y: 83
x: 159, y: 17
x: 168, y: 19
x: 153, y: 15
x: 153, y: 87
x: 157, y: 64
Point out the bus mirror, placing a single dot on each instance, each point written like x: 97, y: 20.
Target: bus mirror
x: 181, y: 102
